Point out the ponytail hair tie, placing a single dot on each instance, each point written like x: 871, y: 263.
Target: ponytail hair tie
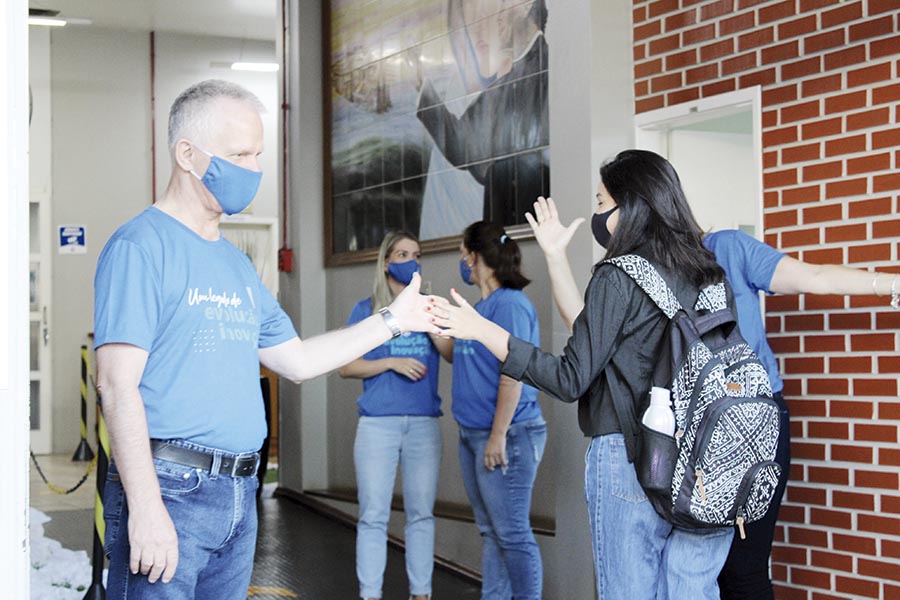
x: 503, y: 238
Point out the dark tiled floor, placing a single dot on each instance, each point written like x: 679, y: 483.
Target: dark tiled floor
x: 74, y: 529
x: 299, y: 554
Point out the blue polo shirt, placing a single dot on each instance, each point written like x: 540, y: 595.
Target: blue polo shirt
x: 749, y: 265
x: 200, y: 310
x: 392, y: 394
x: 476, y: 372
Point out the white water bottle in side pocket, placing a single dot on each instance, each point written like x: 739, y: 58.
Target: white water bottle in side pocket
x: 659, y: 416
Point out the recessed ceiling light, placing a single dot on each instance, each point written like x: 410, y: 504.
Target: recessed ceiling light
x: 254, y: 66
x: 46, y: 21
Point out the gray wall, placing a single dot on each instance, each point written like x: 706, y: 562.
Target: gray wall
x: 591, y: 118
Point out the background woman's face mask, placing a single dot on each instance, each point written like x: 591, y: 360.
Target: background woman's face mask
x: 403, y: 271
x: 232, y: 186
x: 465, y: 271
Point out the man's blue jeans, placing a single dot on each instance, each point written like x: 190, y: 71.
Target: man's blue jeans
x: 637, y: 554
x: 381, y: 443
x: 511, y: 560
x: 215, y: 519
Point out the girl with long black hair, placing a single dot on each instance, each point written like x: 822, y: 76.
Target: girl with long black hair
x: 620, y: 334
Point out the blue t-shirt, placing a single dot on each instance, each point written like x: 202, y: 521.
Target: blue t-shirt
x: 476, y: 372
x: 749, y: 265
x: 200, y: 310
x: 392, y: 394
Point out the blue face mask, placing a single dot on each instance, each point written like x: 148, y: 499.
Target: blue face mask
x: 465, y: 271
x: 232, y: 186
x: 403, y: 271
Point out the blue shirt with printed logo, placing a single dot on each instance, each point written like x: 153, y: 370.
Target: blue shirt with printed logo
x: 201, y: 312
x: 392, y: 394
x: 476, y: 372
x: 749, y: 265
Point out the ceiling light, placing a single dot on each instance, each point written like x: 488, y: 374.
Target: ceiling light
x: 47, y: 22
x: 254, y: 66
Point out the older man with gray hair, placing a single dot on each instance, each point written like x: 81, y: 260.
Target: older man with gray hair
x: 182, y: 323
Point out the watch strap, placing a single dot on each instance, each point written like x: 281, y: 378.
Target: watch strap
x: 391, y: 321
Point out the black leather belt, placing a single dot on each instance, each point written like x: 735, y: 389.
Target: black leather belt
x: 236, y: 465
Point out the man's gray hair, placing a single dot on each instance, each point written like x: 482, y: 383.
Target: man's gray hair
x: 189, y: 115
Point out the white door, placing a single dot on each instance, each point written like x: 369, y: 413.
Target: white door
x: 39, y: 326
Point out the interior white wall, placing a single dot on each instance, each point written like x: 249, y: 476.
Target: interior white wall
x: 40, y: 192
x: 591, y: 118
x: 14, y: 551
x: 302, y: 456
x: 101, y: 157
x: 724, y: 197
x: 101, y: 178
x: 39, y: 167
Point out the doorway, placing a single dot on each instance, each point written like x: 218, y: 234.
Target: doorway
x: 715, y: 144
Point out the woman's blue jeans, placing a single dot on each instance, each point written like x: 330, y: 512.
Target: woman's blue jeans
x: 381, y: 444
x: 511, y: 560
x: 637, y: 554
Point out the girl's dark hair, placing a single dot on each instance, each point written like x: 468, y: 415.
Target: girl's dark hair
x: 499, y: 251
x: 654, y: 214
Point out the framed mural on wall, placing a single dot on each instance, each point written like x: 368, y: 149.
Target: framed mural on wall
x: 436, y: 116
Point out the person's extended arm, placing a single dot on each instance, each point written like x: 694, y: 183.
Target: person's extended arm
x: 594, y: 337
x: 792, y: 276
x: 299, y: 360
x: 554, y: 238
x: 508, y: 393
x: 151, y: 533
x: 463, y: 322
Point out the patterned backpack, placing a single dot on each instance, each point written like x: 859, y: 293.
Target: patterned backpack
x: 718, y: 470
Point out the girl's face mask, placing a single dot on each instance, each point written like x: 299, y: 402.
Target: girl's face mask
x: 599, y: 228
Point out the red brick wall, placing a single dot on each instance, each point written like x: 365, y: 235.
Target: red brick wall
x: 830, y: 77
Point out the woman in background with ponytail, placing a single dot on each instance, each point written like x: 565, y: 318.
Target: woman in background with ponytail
x: 398, y: 423
x: 502, y: 432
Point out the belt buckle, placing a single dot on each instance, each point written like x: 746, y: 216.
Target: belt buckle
x: 245, y: 466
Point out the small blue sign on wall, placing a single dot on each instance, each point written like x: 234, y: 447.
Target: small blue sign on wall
x: 72, y: 239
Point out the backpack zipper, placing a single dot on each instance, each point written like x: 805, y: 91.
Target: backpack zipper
x: 743, y: 493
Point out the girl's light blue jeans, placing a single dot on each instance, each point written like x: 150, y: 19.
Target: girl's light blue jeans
x: 637, y: 554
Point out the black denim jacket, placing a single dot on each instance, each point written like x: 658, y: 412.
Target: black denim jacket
x: 620, y: 327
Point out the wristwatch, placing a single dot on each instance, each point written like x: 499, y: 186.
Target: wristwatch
x: 391, y: 321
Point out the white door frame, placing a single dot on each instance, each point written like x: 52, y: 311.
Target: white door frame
x: 15, y: 570
x: 652, y: 128
x: 42, y: 435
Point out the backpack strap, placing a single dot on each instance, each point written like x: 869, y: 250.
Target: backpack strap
x: 628, y: 421
x: 649, y: 280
